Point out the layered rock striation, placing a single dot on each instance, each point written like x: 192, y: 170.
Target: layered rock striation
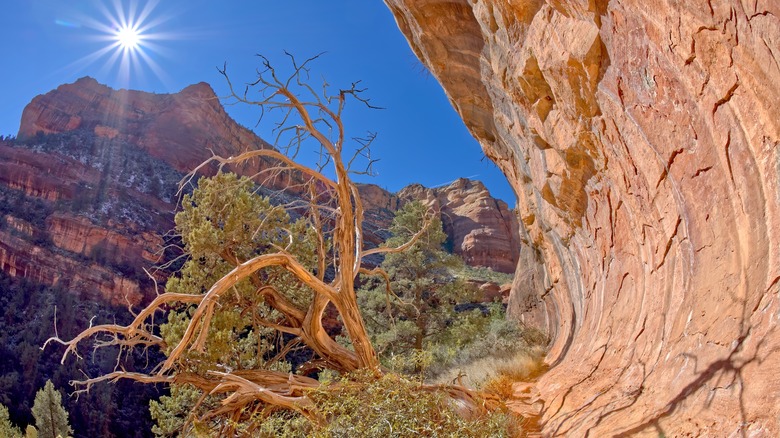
x: 643, y: 143
x: 481, y: 229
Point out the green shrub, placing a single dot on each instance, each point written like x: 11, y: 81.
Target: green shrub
x: 360, y: 405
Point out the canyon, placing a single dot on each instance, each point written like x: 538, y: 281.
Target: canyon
x: 89, y: 188
x: 642, y: 141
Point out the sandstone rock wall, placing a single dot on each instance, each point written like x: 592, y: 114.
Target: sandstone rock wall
x: 19, y: 257
x: 642, y: 141
x: 76, y: 224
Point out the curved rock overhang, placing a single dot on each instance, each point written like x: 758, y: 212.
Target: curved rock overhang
x: 642, y: 139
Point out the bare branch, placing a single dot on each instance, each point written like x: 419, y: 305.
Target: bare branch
x: 133, y: 333
x: 200, y: 319
x: 261, y: 153
x: 401, y: 248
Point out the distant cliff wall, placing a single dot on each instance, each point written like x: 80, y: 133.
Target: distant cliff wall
x: 89, y: 188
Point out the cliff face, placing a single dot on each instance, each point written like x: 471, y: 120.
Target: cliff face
x: 483, y: 230
x: 98, y: 169
x: 178, y: 128
x: 643, y: 143
x: 82, y: 213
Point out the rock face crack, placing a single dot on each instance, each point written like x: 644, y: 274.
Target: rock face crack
x: 669, y: 243
x: 726, y: 148
x: 723, y: 100
x: 668, y: 166
x: 702, y: 170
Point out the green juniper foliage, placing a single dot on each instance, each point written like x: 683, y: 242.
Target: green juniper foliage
x: 223, y: 223
x: 421, y: 310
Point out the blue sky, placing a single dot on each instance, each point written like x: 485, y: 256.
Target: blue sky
x: 44, y: 43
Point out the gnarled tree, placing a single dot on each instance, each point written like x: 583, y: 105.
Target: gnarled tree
x: 333, y: 217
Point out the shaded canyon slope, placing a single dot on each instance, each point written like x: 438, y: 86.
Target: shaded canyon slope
x: 642, y: 139
x: 88, y: 189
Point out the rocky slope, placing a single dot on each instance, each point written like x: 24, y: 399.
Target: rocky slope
x: 88, y: 189
x: 643, y: 143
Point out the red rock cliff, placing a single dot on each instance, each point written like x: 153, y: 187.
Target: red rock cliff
x: 643, y: 143
x: 483, y: 230
x: 103, y: 174
x: 181, y: 129
x: 102, y: 178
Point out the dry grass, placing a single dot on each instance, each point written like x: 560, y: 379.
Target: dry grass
x: 496, y: 374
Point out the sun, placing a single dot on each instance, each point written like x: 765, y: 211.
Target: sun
x: 128, y: 37
x: 131, y: 36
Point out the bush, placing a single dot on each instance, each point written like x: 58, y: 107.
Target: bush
x: 360, y: 405
x: 480, y: 338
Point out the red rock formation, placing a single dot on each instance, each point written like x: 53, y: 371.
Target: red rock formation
x: 80, y: 236
x: 21, y: 258
x: 86, y: 174
x: 482, y: 229
x: 42, y: 175
x: 643, y: 142
x: 181, y: 129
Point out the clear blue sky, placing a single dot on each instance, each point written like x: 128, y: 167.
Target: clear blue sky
x: 44, y: 43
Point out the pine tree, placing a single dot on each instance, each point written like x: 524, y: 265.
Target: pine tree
x: 51, y: 419
x: 420, y: 310
x: 6, y: 428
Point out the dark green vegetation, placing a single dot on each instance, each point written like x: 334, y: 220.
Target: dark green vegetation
x: 26, y: 321
x: 27, y: 309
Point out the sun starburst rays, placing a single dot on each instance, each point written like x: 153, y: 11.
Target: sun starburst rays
x: 131, y: 32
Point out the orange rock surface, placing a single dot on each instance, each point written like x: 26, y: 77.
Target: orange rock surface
x: 181, y: 128
x: 642, y: 139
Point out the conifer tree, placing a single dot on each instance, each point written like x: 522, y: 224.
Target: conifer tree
x: 7, y: 429
x: 419, y: 309
x: 222, y: 224
x: 51, y: 419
